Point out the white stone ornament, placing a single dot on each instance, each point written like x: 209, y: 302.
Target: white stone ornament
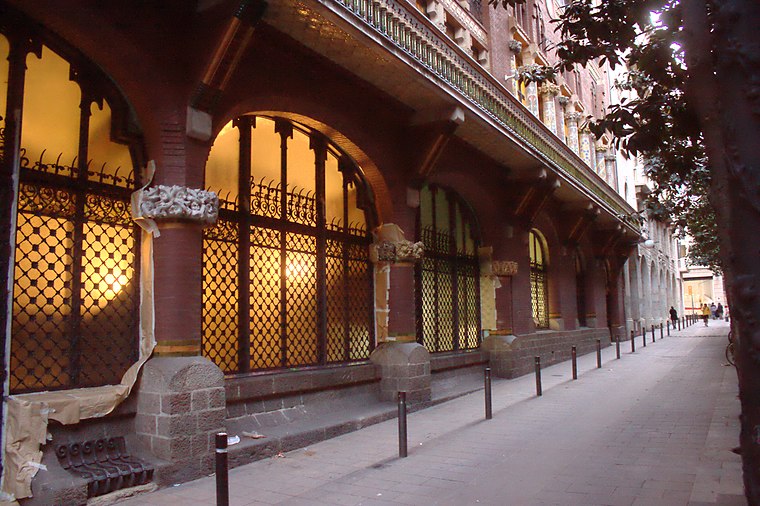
x: 162, y: 202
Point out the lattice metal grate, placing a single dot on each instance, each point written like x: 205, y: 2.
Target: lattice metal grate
x: 448, y: 314
x: 298, y: 313
x: 538, y: 297
x: 75, y: 297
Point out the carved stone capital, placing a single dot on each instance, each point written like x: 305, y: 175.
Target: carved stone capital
x: 563, y: 100
x: 167, y: 203
x: 504, y: 268
x: 515, y: 46
x: 548, y: 88
x: 610, y: 157
x: 399, y: 251
x: 573, y: 116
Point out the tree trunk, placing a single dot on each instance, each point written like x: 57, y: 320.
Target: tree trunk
x: 723, y: 56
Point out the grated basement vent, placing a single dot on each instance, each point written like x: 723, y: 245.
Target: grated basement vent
x: 105, y: 464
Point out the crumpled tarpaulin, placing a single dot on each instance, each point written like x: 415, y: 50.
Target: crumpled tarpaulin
x: 28, y: 414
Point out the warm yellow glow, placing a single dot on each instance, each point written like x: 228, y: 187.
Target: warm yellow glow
x: 4, y: 53
x: 265, y: 152
x: 301, y: 174
x: 105, y: 155
x: 51, y: 110
x: 333, y: 191
x: 223, y: 161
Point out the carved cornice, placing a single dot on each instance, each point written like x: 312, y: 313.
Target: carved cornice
x: 397, y: 251
x: 515, y: 46
x: 504, y: 268
x: 167, y: 203
x: 548, y: 88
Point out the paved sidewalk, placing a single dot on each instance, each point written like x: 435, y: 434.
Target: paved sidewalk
x: 654, y: 428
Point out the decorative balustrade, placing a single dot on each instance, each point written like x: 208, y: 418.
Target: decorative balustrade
x: 411, y: 32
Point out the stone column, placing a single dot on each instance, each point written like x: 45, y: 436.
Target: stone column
x: 600, y: 167
x: 592, y: 142
x: 515, y: 47
x: 500, y: 342
x: 609, y: 163
x: 180, y: 397
x: 572, y: 130
x: 404, y: 364
x: 585, y: 145
x: 548, y: 91
x: 531, y: 91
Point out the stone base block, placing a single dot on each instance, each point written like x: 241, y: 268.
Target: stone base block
x: 404, y: 367
x: 180, y: 407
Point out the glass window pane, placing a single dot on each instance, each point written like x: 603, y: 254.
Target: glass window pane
x: 106, y: 158
x: 222, y: 165
x: 49, y: 125
x: 333, y: 191
x: 301, y: 174
x: 265, y: 152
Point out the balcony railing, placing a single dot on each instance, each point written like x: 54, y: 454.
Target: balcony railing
x: 414, y: 34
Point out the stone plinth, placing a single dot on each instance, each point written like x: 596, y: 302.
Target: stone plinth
x: 404, y: 367
x: 180, y: 407
x: 501, y: 354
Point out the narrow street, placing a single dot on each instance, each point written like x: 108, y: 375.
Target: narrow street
x: 653, y: 428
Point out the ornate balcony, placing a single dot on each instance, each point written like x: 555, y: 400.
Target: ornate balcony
x: 403, y: 36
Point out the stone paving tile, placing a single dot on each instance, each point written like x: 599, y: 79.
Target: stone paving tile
x: 653, y: 428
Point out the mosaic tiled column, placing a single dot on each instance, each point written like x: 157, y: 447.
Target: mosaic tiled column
x: 592, y: 139
x: 585, y: 145
x: 515, y: 47
x: 548, y: 91
x: 572, y: 130
x: 563, y: 101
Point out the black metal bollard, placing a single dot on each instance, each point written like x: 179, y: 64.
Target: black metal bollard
x: 617, y: 347
x: 598, y: 353
x: 669, y: 328
x: 633, y: 343
x: 574, y: 356
x: 222, y: 479
x: 539, y: 392
x: 487, y: 379
x: 661, y: 331
x: 652, y: 333
x: 644, y: 336
x: 402, y: 425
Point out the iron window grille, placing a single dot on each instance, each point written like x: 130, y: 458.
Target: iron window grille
x: 538, y: 282
x: 75, y: 276
x: 282, y: 286
x: 447, y: 280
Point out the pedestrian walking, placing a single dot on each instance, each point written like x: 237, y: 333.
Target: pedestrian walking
x: 673, y: 316
x: 719, y: 311
x: 705, y: 313
x: 713, y: 310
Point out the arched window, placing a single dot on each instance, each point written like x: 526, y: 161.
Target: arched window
x: 287, y: 280
x: 75, y: 311
x: 448, y: 279
x: 580, y: 289
x: 539, y: 293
